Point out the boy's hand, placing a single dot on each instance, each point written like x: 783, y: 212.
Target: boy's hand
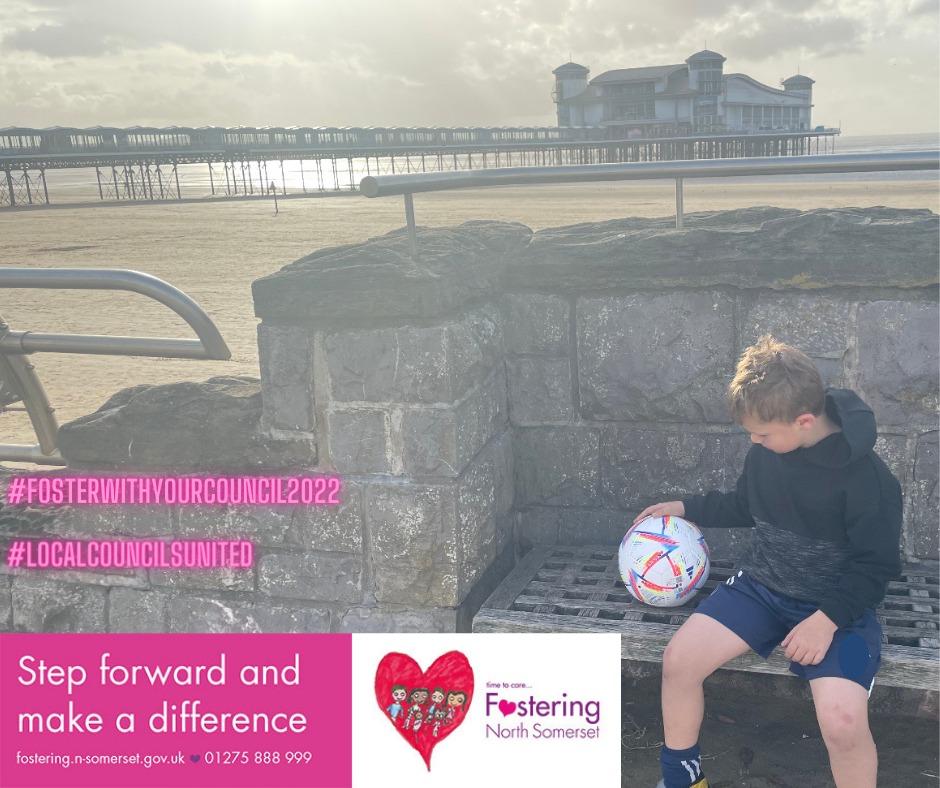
x: 809, y: 640
x: 671, y: 508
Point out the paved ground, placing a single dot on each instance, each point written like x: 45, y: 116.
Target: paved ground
x: 761, y: 732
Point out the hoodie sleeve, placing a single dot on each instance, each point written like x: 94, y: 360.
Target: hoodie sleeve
x: 722, y: 509
x: 873, y: 530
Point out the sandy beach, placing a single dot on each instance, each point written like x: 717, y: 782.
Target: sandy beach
x: 213, y: 252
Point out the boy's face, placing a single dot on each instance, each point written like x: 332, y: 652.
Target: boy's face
x: 779, y: 437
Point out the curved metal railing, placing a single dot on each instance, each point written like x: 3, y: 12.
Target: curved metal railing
x: 408, y: 185
x: 21, y: 383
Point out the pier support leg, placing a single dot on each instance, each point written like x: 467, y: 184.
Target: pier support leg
x: 10, y: 189
x: 410, y: 221
x: 679, y: 207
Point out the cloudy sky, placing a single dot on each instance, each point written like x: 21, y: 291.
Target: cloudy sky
x: 440, y: 62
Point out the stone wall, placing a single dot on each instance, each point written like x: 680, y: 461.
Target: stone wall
x: 505, y: 388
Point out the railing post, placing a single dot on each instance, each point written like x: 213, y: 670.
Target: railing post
x: 679, y: 208
x: 410, y: 220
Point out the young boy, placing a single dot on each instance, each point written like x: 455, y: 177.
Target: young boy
x: 826, y: 514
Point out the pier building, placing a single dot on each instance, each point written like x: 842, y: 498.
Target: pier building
x: 682, y: 99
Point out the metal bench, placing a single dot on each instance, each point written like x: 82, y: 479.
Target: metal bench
x: 578, y: 589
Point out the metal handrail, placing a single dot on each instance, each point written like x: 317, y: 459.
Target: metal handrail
x: 210, y: 344
x: 407, y: 185
x: 14, y: 345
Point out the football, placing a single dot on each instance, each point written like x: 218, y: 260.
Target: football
x: 663, y: 561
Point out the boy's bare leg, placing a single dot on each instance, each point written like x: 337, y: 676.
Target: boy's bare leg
x: 698, y: 649
x: 842, y: 711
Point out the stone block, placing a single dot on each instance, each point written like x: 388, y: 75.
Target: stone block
x: 211, y: 425
x: 540, y: 391
x: 332, y: 577
x: 538, y: 525
x: 336, y: 528
x: 388, y: 619
x: 414, y: 524
x: 922, y: 527
x: 474, y: 346
x: 216, y: 578
x: 265, y: 526
x: 417, y: 586
x: 414, y: 364
x: 99, y: 521
x: 359, y: 441
x: 898, y: 352
x: 557, y: 466
x: 642, y: 466
x: 389, y: 365
x: 204, y: 614
x: 379, y: 281
x: 478, y: 498
x: 573, y: 526
x: 893, y: 450
x: 818, y: 325
x: 286, y: 357
x: 136, y: 611
x: 536, y: 324
x: 656, y: 357
x: 6, y: 605
x: 43, y: 605
x: 441, y: 441
x: 414, y: 537
x: 505, y: 483
x: 753, y: 248
x: 214, y: 522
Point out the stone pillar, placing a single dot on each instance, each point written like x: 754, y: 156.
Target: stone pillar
x: 395, y: 367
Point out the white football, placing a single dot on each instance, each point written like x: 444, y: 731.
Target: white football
x: 663, y: 561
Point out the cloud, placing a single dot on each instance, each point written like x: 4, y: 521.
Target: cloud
x: 411, y: 62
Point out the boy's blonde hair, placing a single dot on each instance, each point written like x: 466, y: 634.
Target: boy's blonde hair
x: 775, y: 382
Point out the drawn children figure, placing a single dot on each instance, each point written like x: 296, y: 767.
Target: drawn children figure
x: 416, y: 700
x: 456, y: 702
x: 396, y: 710
x: 418, y: 718
x: 437, y: 699
x: 439, y: 716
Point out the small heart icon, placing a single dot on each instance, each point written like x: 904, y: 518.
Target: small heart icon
x: 507, y: 707
x: 425, y: 707
x: 194, y: 758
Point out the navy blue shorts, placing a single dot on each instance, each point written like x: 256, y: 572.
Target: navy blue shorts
x: 763, y: 618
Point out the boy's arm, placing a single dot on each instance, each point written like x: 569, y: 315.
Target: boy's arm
x: 722, y: 510
x: 873, y: 528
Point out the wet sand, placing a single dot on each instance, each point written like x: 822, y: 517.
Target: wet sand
x: 213, y: 252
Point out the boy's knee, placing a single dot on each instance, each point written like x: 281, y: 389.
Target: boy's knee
x: 678, y: 663
x: 842, y: 728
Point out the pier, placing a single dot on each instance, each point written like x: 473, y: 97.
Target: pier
x: 172, y: 164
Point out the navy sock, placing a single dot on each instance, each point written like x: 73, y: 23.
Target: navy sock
x: 681, y: 768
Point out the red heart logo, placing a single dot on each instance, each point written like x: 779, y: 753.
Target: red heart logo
x: 425, y: 707
x: 507, y: 707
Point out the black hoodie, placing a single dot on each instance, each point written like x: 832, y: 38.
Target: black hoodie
x: 827, y: 518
